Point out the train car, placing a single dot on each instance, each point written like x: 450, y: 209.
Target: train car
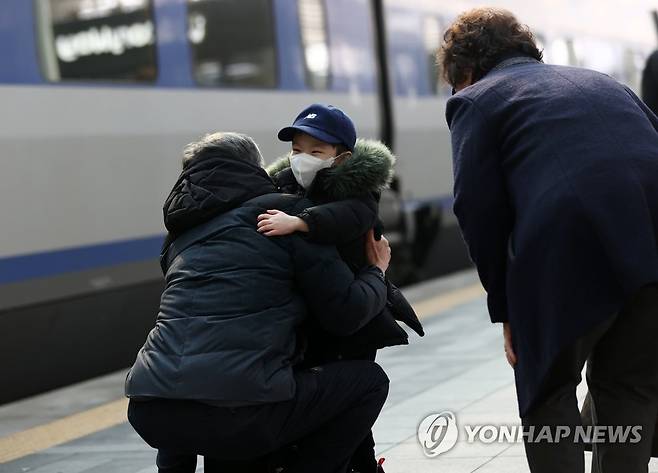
x: 100, y: 96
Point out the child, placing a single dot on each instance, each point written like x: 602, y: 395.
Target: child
x: 343, y: 177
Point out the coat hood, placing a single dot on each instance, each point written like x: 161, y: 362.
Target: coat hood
x: 212, y: 185
x: 369, y: 169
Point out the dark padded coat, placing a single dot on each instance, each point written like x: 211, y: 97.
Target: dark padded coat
x: 234, y: 299
x: 346, y: 207
x: 555, y: 192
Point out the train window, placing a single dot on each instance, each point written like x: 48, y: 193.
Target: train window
x: 633, y: 66
x: 106, y: 40
x: 315, y: 43
x: 602, y: 56
x: 432, y: 40
x: 232, y: 43
x: 563, y: 51
x: 433, y: 28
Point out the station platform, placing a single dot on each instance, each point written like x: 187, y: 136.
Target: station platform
x: 459, y: 366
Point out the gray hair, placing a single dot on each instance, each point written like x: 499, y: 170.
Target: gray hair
x: 235, y: 145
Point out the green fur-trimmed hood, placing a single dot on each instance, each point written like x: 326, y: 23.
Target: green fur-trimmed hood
x: 278, y: 165
x: 369, y: 169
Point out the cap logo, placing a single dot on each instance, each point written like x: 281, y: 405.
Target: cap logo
x: 311, y: 115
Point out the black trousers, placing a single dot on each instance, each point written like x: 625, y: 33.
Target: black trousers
x: 622, y: 376
x: 334, y: 408
x: 322, y: 350
x: 363, y: 460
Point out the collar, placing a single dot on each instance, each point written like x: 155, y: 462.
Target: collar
x: 512, y: 61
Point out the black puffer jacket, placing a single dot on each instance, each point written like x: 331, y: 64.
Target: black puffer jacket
x: 233, y: 301
x: 345, y: 199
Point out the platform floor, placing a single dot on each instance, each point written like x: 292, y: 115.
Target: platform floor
x: 458, y: 366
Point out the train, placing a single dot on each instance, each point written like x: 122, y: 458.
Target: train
x: 100, y: 96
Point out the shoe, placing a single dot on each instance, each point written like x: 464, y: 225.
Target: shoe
x: 379, y: 467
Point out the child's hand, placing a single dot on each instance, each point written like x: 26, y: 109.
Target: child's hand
x: 277, y: 223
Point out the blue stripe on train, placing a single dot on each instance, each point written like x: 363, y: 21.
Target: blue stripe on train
x: 50, y: 263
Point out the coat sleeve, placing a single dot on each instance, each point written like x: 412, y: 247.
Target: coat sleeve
x: 340, y: 221
x: 339, y: 300
x: 482, y: 205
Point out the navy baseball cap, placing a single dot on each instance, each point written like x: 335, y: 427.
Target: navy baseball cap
x: 325, y: 123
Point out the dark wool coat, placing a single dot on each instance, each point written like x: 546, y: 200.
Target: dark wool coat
x: 234, y: 299
x: 556, y: 172
x: 346, y: 198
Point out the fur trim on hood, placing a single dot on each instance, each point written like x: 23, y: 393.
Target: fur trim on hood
x: 369, y: 169
x: 280, y: 164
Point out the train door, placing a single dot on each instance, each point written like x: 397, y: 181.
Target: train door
x: 419, y: 133
x: 336, y: 59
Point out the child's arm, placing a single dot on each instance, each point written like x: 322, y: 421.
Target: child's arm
x: 335, y: 222
x: 278, y: 223
x: 340, y: 221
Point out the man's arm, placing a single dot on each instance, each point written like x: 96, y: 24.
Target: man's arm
x: 341, y: 302
x: 481, y: 204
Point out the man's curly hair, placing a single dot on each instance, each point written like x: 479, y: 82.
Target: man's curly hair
x: 478, y: 40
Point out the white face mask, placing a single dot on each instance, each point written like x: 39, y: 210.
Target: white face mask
x: 305, y: 167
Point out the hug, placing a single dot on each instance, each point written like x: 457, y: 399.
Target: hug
x: 275, y: 303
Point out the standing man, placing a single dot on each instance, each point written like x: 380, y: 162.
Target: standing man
x: 556, y: 172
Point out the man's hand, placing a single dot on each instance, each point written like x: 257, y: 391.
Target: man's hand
x: 277, y: 223
x: 378, y: 252
x: 509, y: 349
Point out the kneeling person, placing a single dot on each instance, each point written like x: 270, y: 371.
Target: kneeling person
x: 215, y: 376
